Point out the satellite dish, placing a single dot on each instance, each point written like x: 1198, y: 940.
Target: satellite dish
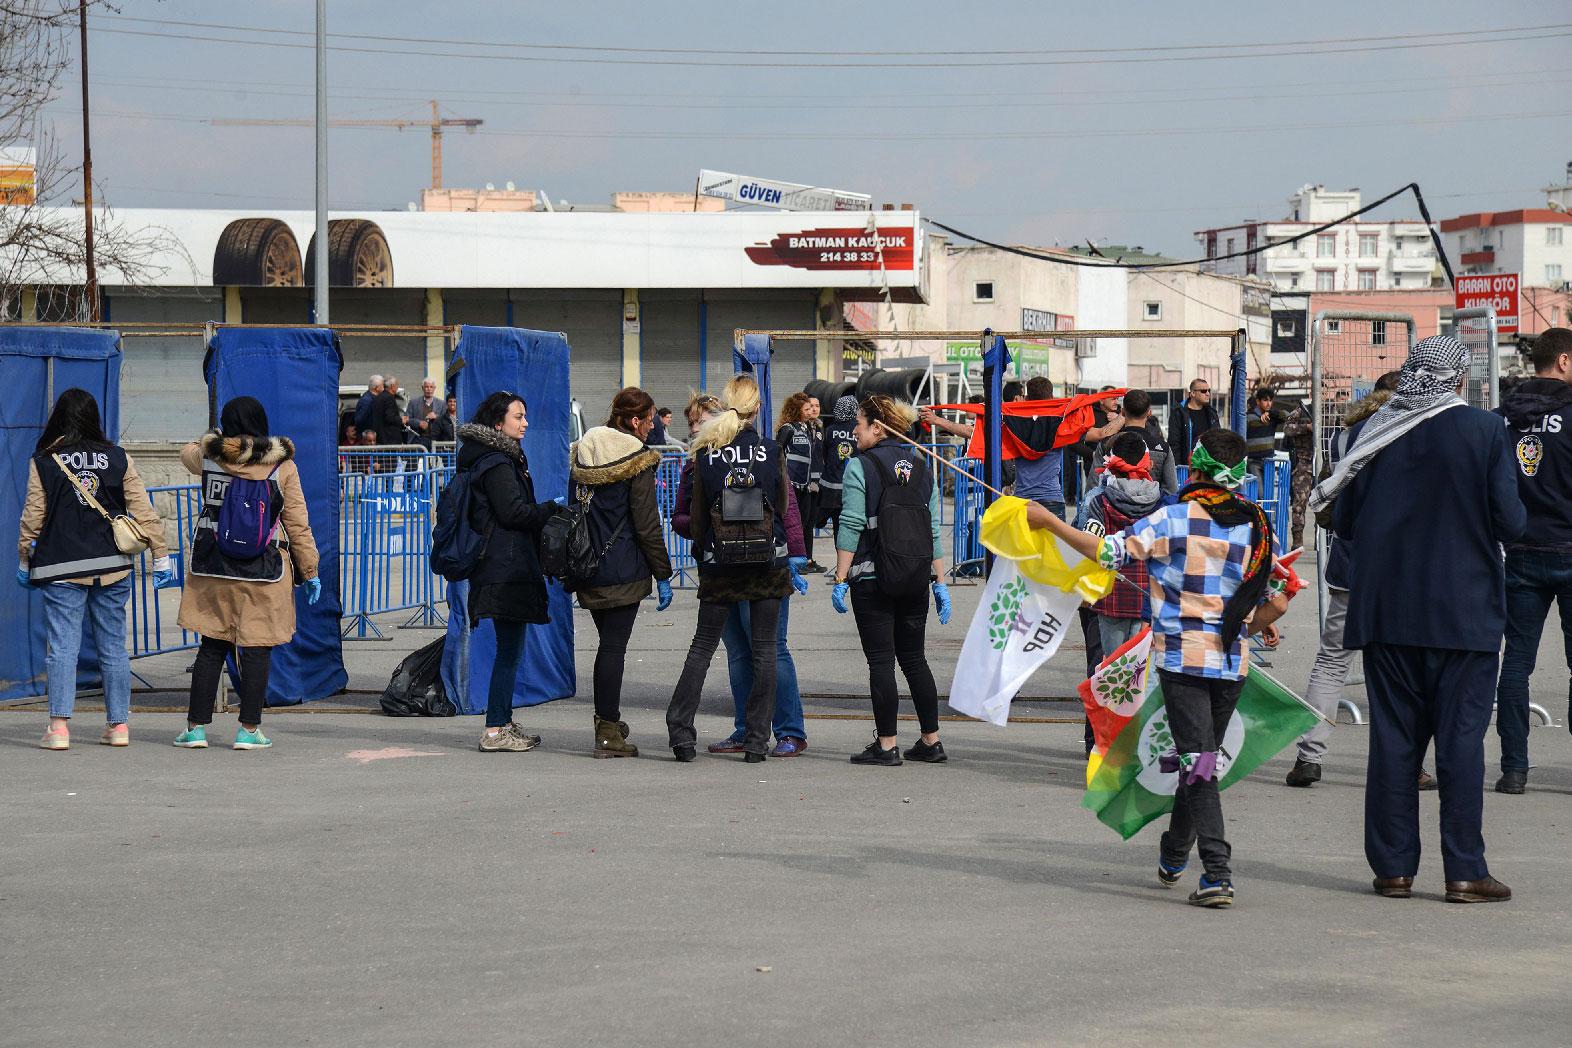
x: 490, y: 187
x: 508, y: 186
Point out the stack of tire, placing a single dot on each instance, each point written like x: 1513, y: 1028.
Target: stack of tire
x: 898, y: 385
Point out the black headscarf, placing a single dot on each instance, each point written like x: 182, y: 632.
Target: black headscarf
x: 243, y: 417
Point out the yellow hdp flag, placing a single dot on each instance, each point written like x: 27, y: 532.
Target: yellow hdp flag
x: 1039, y: 555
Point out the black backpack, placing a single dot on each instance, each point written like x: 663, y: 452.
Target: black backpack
x: 456, y: 547
x: 903, y: 541
x: 742, y: 521
x: 567, y: 552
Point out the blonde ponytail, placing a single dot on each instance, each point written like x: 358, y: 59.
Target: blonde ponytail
x: 739, y: 404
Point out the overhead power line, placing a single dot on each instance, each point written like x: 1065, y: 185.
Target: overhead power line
x: 1542, y: 33
x: 831, y: 52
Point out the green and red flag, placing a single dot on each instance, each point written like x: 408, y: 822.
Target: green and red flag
x: 1129, y: 788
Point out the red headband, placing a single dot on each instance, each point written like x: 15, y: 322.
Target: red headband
x: 1141, y: 470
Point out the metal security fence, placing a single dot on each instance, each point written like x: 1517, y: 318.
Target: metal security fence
x: 1476, y: 328
x: 667, y: 479
x: 385, y: 524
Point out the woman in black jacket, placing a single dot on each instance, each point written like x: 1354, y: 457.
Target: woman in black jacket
x: 613, y: 472
x: 508, y: 587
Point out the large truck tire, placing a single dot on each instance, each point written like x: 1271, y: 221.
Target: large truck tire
x: 257, y: 252
x: 358, y: 255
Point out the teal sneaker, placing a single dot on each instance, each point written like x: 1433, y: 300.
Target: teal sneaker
x: 192, y: 738
x: 246, y: 739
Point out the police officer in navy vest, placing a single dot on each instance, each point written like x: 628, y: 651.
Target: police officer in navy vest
x: 888, y: 555
x: 800, y: 443
x: 76, y: 480
x: 1538, y: 565
x: 739, y: 541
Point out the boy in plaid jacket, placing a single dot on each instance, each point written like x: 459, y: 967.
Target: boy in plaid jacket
x: 1209, y: 559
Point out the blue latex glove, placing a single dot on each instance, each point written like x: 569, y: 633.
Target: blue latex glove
x: 941, y: 601
x: 795, y: 566
x: 163, y: 579
x: 662, y: 594
x: 23, y: 578
x: 313, y: 590
x: 838, y: 596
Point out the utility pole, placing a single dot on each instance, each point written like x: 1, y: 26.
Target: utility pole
x: 90, y: 290
x: 320, y: 281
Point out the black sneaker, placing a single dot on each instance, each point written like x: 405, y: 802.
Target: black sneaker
x: 876, y: 754
x: 684, y: 754
x: 1512, y: 781
x: 1305, y: 774
x: 921, y: 751
x: 1167, y: 875
x: 1213, y: 896
x: 752, y: 758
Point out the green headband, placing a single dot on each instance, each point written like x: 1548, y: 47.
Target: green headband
x: 1228, y: 476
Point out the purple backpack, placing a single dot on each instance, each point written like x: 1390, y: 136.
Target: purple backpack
x: 246, y: 519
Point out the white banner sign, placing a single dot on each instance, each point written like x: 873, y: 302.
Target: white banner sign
x: 788, y: 196
x: 1018, y: 626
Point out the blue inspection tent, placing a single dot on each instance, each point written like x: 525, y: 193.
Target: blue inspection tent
x: 294, y: 373
x: 533, y: 364
x: 36, y: 365
x: 753, y: 358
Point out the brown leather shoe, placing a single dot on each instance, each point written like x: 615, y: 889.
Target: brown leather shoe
x: 1487, y: 889
x: 1427, y: 781
x: 1394, y: 887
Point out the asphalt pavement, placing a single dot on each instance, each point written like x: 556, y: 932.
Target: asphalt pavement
x: 372, y: 881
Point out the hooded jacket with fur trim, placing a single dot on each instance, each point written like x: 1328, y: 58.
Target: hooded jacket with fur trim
x: 615, y: 473
x: 508, y: 584
x: 252, y: 614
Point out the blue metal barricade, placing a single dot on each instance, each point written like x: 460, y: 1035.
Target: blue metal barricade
x: 683, y: 567
x: 153, y: 612
x: 384, y: 548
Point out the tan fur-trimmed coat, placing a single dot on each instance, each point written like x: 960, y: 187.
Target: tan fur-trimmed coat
x: 252, y: 614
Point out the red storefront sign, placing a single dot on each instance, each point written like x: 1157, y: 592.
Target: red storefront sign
x: 1491, y: 289
x: 838, y: 249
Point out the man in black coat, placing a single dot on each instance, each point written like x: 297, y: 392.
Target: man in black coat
x: 386, y: 415
x: 1539, y: 565
x: 1189, y: 420
x: 1426, y: 496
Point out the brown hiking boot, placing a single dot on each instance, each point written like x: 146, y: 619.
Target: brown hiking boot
x: 611, y: 739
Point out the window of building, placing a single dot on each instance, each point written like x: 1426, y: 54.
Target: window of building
x: 982, y: 291
x: 1552, y: 236
x: 1228, y: 246
x: 1326, y: 245
x: 1287, y: 329
x: 1378, y: 332
x: 1367, y: 245
x: 1334, y: 327
x: 1293, y: 281
x: 1367, y: 280
x: 1553, y: 273
x: 1151, y: 310
x: 1325, y: 280
x: 1397, y: 280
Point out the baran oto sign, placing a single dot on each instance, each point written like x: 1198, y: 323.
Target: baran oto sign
x: 888, y: 249
x: 1491, y: 289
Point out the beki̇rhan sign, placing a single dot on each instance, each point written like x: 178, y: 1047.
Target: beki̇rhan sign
x: 854, y: 248
x: 1491, y: 289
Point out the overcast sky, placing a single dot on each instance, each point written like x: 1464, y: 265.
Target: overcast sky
x: 1083, y: 138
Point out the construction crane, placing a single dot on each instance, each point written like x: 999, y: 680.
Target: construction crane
x: 436, y: 125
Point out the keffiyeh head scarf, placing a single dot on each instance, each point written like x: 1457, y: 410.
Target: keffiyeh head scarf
x: 1426, y: 386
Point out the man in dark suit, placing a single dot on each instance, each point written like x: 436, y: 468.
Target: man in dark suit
x: 387, y: 416
x: 1427, y: 495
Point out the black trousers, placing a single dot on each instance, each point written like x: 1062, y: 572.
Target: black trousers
x: 615, y: 626
x: 1199, y: 709
x: 808, y: 511
x: 892, y: 630
x: 763, y: 619
x: 1416, y: 695
x: 254, y: 666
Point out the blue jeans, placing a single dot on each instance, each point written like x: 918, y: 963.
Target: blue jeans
x: 67, y: 606
x: 504, y: 671
x: 1534, y: 578
x: 787, y: 721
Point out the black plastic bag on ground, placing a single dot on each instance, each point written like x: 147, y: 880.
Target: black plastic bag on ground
x: 416, y: 687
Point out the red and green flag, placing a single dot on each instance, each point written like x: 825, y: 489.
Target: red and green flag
x: 1129, y: 788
